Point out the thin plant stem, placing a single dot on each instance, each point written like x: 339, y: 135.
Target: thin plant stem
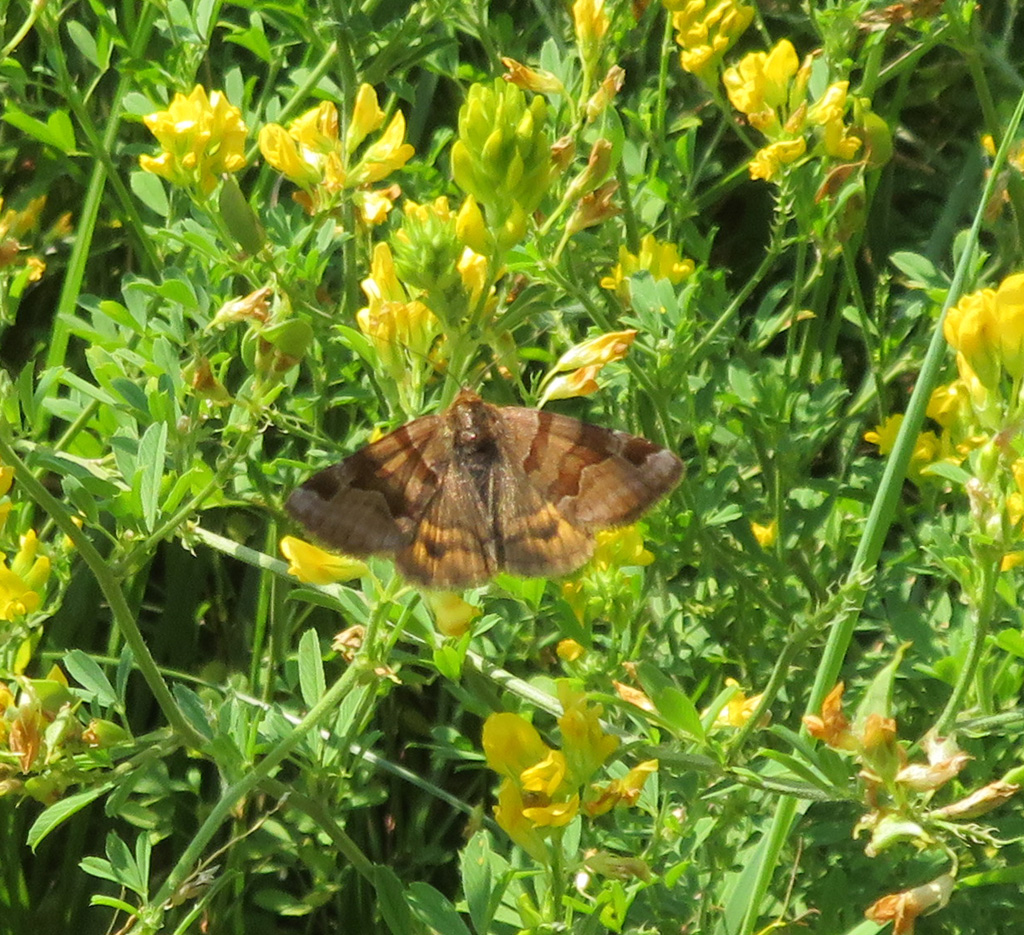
x: 981, y: 615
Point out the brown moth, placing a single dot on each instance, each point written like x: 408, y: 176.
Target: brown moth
x: 478, y: 489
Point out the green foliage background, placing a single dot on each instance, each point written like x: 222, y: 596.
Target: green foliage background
x: 262, y: 783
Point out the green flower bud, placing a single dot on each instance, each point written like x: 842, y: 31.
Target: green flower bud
x: 503, y: 155
x: 427, y: 249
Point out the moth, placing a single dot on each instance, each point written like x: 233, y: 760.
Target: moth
x: 459, y: 496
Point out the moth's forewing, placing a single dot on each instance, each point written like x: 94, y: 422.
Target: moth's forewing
x: 373, y: 500
x: 595, y: 477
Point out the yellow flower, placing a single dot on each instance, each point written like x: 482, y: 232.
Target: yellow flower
x: 737, y: 712
x: 661, y: 260
x: 397, y: 326
x: 315, y: 566
x: 945, y: 403
x: 367, y: 117
x: 624, y: 791
x: 770, y: 159
x: 620, y: 547
x: 599, y: 350
x: 309, y: 153
x: 1009, y: 314
x: 471, y: 227
x: 759, y: 85
x: 16, y: 224
x: 553, y: 814
x: 473, y: 268
x: 591, y: 24
x: 839, y: 142
x: 385, y: 155
x: 512, y: 744
x: 529, y: 79
x: 312, y: 154
x: 534, y: 793
x: 705, y: 29
x: 831, y: 106
x: 546, y: 776
x: 971, y: 329
x: 374, y: 206
x: 884, y: 435
x: 569, y: 650
x: 511, y: 818
x: 580, y: 382
x: 202, y: 138
x: 452, y: 614
x: 765, y: 534
x: 584, y: 741
x: 6, y: 478
x: 23, y: 579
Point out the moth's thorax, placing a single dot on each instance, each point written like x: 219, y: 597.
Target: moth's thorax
x: 472, y: 423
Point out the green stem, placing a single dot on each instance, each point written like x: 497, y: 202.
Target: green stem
x: 982, y: 613
x: 102, y: 570
x: 257, y: 776
x: 60, y: 334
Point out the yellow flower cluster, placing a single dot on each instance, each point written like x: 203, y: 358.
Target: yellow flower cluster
x: 542, y: 788
x: 706, y: 30
x: 662, y: 260
x: 951, y: 407
x: 312, y: 153
x: 401, y: 329
x: 986, y: 329
x: 770, y: 88
x: 17, y: 229
x: 605, y: 585
x: 21, y: 579
x: 202, y: 137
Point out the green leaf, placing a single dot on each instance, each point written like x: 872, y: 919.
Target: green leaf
x: 149, y: 189
x: 86, y: 671
x: 434, y: 909
x: 311, y: 669
x: 152, y: 453
x: 56, y: 814
x: 1012, y: 641
x: 919, y: 270
x: 84, y: 41
x: 193, y: 708
x: 480, y: 868
x: 57, y: 131
x: 878, y: 698
x: 392, y: 902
